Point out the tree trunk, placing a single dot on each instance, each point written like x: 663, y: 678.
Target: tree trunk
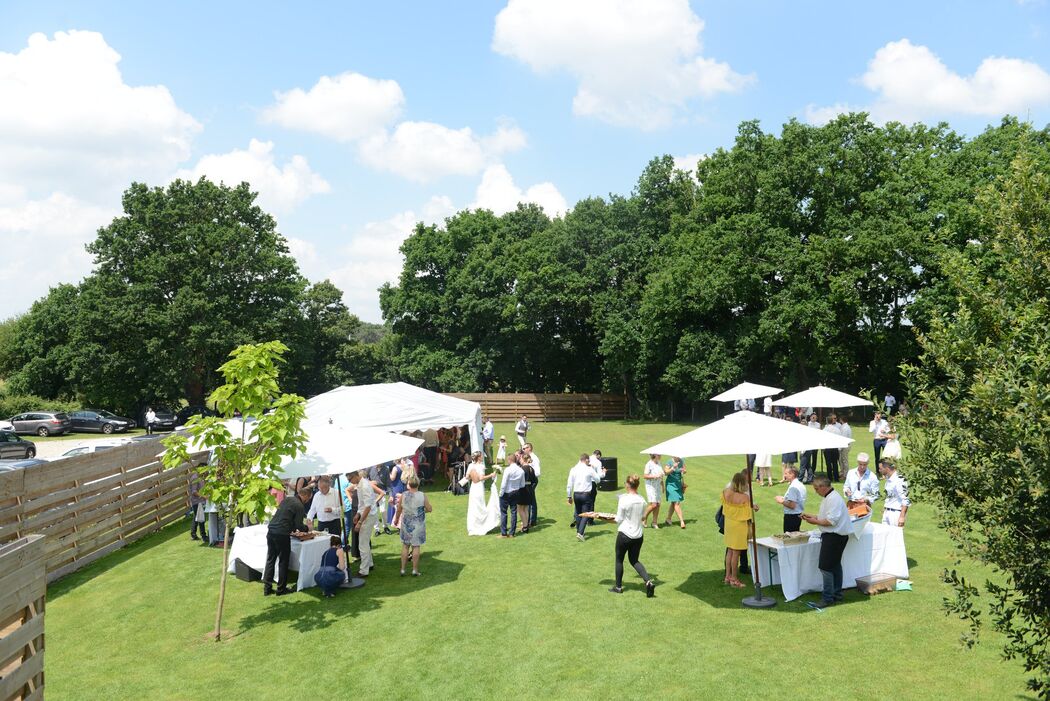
x: 222, y: 580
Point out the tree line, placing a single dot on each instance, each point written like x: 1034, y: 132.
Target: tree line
x: 808, y: 256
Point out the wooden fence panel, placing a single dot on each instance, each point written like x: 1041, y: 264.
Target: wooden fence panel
x: 23, y: 585
x: 550, y: 407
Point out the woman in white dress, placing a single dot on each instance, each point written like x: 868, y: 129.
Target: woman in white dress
x: 654, y: 489
x: 482, y: 514
x: 893, y: 444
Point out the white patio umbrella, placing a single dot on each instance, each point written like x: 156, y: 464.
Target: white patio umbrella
x: 746, y: 390
x: 822, y: 397
x: 740, y: 434
x: 332, y: 450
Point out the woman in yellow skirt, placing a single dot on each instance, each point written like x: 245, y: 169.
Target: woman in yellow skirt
x: 736, y: 508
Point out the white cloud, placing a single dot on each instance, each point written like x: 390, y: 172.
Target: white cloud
x: 70, y: 123
x: 347, y: 107
x: 689, y: 161
x: 280, y: 188
x: 424, y: 151
x: 498, y: 192
x: 44, y: 246
x: 911, y: 83
x: 637, y: 63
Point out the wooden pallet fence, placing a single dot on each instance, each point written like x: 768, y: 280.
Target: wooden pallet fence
x: 23, y: 584
x: 550, y: 407
x: 90, y: 505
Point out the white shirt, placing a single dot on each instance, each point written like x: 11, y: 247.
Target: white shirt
x: 366, y: 495
x: 653, y: 469
x: 767, y: 405
x: 814, y: 424
x: 535, y: 463
x: 845, y: 430
x: 488, y: 431
x: 513, y: 479
x: 521, y: 427
x: 796, y: 492
x: 833, y: 509
x: 857, y: 488
x: 320, y: 502
x: 151, y: 416
x: 880, y: 428
x: 889, y: 401
x: 629, y: 511
x: 833, y: 428
x: 596, y: 463
x: 896, y: 493
x: 581, y: 477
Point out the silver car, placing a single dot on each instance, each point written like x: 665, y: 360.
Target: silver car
x: 42, y: 423
x: 13, y: 447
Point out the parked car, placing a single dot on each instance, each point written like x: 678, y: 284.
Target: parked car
x: 102, y: 421
x: 166, y: 420
x: 15, y: 447
x: 6, y: 465
x: 85, y: 449
x: 6, y: 426
x: 42, y: 423
x: 187, y: 412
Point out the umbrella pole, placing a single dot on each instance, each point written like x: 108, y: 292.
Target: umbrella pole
x: 758, y: 601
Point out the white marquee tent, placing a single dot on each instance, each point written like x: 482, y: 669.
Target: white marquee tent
x: 396, y: 406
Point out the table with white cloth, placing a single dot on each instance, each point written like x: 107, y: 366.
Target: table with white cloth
x: 876, y: 548
x: 249, y: 546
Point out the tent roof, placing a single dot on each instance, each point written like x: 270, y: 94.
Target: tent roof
x: 746, y: 390
x: 823, y: 397
x: 748, y: 432
x: 396, y: 406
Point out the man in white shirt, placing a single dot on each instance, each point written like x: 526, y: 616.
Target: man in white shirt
x: 368, y: 495
x: 578, y: 491
x: 767, y: 406
x: 521, y: 429
x: 880, y: 427
x: 890, y: 401
x: 835, y: 527
x: 511, y: 492
x: 325, y: 507
x: 809, y: 461
x: 846, y: 432
x: 533, y: 507
x: 862, y: 486
x: 895, y: 508
x: 488, y: 432
x: 793, y: 501
x: 831, y: 455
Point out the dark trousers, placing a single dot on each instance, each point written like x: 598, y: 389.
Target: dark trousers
x: 807, y: 466
x: 831, y: 463
x: 330, y: 527
x: 355, y: 537
x: 751, y: 463
x: 631, y: 547
x: 533, y: 509
x: 792, y: 522
x: 279, y: 551
x: 581, y: 502
x: 149, y: 429
x: 830, y: 564
x: 195, y: 526
x: 508, y: 501
x: 878, y: 444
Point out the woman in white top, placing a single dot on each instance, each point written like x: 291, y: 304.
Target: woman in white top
x: 629, y: 535
x: 482, y: 517
x: 654, y: 489
x: 764, y: 463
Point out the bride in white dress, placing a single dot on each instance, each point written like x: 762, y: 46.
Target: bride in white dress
x: 482, y: 517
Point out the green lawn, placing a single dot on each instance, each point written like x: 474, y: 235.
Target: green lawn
x: 526, y: 618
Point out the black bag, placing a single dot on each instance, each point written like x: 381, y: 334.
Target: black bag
x: 720, y: 521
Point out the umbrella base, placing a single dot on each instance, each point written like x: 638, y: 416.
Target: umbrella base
x: 354, y: 583
x: 759, y: 602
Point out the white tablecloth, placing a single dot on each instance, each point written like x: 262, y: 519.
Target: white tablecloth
x: 249, y: 546
x: 879, y: 548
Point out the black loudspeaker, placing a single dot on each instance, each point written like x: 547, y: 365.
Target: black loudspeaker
x: 611, y: 481
x: 245, y: 573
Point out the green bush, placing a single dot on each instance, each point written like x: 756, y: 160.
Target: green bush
x: 11, y: 404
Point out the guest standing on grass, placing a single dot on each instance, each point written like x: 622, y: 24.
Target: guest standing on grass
x: 511, y: 494
x: 522, y: 430
x: 880, y: 428
x: 412, y: 510
x: 895, y: 508
x: 654, y: 488
x: 197, y: 515
x: 674, y: 471
x: 793, y: 501
x: 397, y: 487
x: 325, y: 507
x: 835, y: 528
x: 351, y: 501
x: 846, y: 431
x: 527, y: 503
x: 534, y: 511
x: 286, y: 522
x: 369, y: 495
x: 831, y: 455
x: 582, y: 478
x: 736, y: 508
x: 332, y: 572
x: 629, y: 535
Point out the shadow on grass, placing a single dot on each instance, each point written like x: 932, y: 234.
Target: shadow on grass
x: 140, y: 547
x: 912, y: 563
x: 709, y: 588
x: 308, y: 610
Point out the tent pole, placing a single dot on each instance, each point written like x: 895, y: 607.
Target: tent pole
x: 757, y: 601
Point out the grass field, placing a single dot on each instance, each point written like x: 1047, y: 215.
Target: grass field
x: 524, y: 618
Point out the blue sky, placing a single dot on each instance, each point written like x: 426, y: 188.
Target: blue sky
x: 354, y: 120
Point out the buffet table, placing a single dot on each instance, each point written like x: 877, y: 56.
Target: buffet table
x: 249, y: 546
x: 876, y: 548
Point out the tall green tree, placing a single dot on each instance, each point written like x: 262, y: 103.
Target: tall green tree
x: 980, y: 440
x: 245, y: 465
